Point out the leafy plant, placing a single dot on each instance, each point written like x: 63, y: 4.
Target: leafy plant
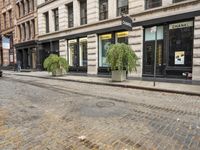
x: 54, y: 62
x: 121, y: 57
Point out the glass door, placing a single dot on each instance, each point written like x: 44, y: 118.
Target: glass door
x: 149, y: 52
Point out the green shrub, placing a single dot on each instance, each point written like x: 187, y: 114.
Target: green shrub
x: 54, y: 62
x: 121, y: 57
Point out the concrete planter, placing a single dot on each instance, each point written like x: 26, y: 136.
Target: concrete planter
x: 118, y: 76
x: 58, y: 72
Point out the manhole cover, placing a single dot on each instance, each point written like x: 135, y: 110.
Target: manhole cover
x: 105, y: 104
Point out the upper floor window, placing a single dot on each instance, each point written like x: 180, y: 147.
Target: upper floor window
x: 28, y: 6
x: 152, y: 3
x: 103, y: 9
x: 46, y: 16
x: 70, y: 15
x: 23, y: 9
x: 176, y: 1
x: 10, y: 17
x: 122, y: 7
x: 56, y: 19
x: 4, y: 20
x: 83, y: 12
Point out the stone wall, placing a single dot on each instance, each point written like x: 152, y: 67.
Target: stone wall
x: 92, y: 53
x: 196, y: 50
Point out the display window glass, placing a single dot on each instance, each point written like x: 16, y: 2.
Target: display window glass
x: 104, y: 43
x: 121, y: 37
x: 72, y: 47
x: 150, y: 36
x: 83, y: 52
x: 181, y: 44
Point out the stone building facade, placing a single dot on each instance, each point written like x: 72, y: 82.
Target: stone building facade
x: 81, y: 30
x: 7, y: 50
x: 26, y: 33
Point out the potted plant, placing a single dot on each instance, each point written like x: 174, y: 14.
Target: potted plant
x: 55, y: 64
x: 122, y: 59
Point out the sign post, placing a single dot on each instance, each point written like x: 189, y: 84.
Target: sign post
x: 154, y: 30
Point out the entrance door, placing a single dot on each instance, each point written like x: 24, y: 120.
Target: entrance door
x: 149, y: 51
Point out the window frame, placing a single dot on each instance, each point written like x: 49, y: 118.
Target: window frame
x: 83, y: 16
x: 56, y: 19
x: 103, y: 14
x: 149, y: 6
x: 70, y: 15
x: 126, y: 8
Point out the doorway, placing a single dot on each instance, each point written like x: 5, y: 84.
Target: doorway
x: 149, y: 52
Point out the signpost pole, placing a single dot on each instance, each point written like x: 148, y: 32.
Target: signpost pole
x: 155, y: 53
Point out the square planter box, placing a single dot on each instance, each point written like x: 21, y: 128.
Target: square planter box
x: 118, y: 76
x: 58, y: 72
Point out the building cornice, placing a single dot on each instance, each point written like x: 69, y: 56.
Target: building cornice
x: 45, y: 3
x: 165, y: 8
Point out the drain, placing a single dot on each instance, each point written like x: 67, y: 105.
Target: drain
x: 105, y: 104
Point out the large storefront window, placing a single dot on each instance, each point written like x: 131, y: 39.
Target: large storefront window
x: 78, y: 54
x: 72, y: 50
x: 83, y: 52
x: 181, y: 44
x: 104, y: 42
x: 121, y: 37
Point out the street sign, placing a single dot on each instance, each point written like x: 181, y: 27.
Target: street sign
x: 127, y: 23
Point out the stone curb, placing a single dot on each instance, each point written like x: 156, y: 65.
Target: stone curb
x: 114, y: 85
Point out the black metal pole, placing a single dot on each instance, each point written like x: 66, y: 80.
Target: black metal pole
x: 155, y: 53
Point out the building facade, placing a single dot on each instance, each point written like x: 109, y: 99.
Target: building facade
x: 7, y: 15
x: 81, y: 31
x: 26, y: 33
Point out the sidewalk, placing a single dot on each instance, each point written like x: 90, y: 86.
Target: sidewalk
x: 136, y: 84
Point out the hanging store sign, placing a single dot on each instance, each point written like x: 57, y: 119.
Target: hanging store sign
x: 106, y: 36
x: 127, y: 23
x: 5, y: 42
x: 122, y: 34
x: 179, y: 58
x: 181, y: 25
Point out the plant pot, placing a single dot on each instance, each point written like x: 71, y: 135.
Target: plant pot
x: 58, y: 72
x: 118, y: 76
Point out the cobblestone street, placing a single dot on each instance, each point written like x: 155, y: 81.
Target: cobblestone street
x: 43, y: 114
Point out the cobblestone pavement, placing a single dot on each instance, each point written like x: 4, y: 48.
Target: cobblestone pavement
x: 42, y: 114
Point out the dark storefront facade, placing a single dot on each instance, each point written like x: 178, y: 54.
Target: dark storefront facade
x: 26, y: 54
x: 174, y: 51
x: 44, y: 50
